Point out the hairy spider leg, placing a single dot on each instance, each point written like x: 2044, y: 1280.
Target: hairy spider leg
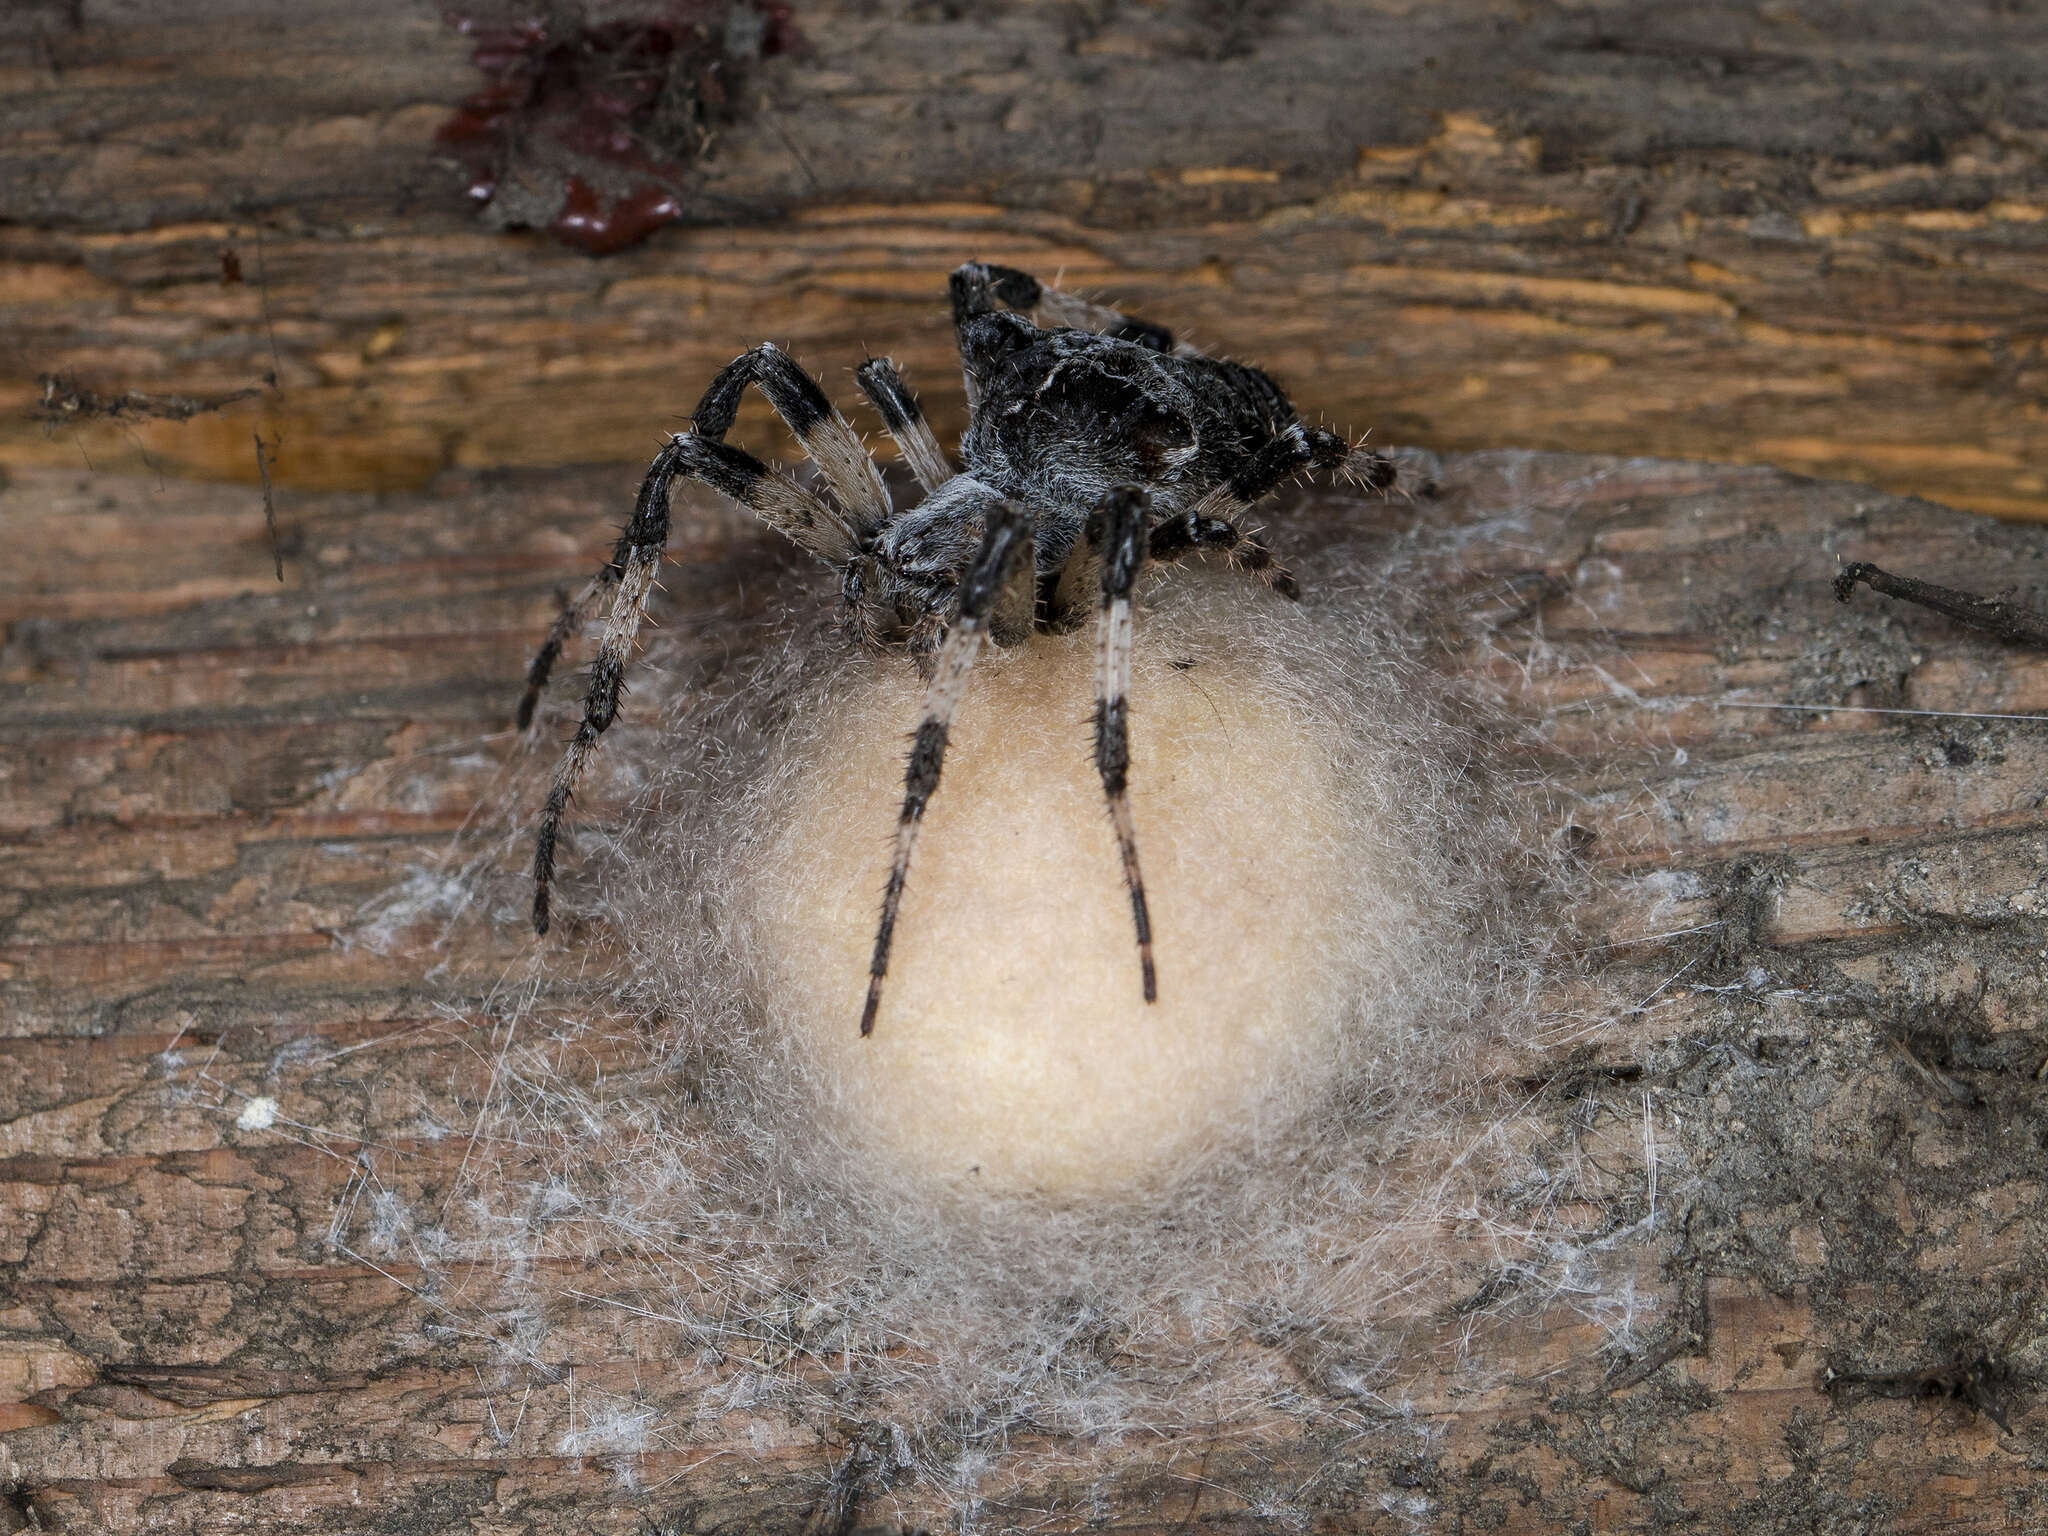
x: 1198, y: 530
x: 1006, y: 541
x: 826, y: 437
x: 636, y: 559
x: 770, y: 496
x: 567, y: 622
x: 904, y: 418
x: 1192, y: 533
x: 1117, y: 530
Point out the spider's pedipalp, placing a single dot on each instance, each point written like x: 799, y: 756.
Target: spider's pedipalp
x: 1372, y: 470
x: 1365, y: 467
x: 904, y: 419
x: 1168, y: 543
x: 825, y: 436
x: 1212, y: 522
x: 1117, y: 531
x: 1293, y: 451
x: 1193, y: 532
x: 1005, y: 543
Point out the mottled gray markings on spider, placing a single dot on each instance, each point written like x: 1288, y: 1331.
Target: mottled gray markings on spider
x: 1095, y: 443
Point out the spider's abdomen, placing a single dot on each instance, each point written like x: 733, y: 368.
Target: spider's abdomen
x: 1066, y: 414
x: 1239, y: 407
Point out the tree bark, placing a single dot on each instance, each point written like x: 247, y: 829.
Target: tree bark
x: 1810, y: 235
x: 1817, y: 827
x: 1803, y: 234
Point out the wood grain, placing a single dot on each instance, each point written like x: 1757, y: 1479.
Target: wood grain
x: 1831, y: 917
x: 1806, y: 233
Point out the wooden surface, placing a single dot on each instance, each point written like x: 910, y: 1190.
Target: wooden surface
x: 1807, y: 233
x: 1826, y: 929
x: 1799, y: 233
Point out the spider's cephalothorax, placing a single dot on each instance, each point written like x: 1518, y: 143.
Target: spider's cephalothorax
x: 1094, y: 444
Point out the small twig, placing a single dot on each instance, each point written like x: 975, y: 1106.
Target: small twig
x: 2007, y: 620
x: 65, y: 399
x: 263, y: 455
x: 1855, y: 709
x: 263, y: 299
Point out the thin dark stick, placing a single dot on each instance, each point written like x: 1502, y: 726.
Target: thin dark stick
x: 273, y: 380
x: 269, y: 501
x: 65, y: 399
x: 2007, y: 620
x: 263, y: 299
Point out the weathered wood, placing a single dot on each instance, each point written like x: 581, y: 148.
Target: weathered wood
x: 1807, y: 234
x: 1832, y: 918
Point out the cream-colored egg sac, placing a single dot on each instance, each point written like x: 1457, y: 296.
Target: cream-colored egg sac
x: 1014, y: 1053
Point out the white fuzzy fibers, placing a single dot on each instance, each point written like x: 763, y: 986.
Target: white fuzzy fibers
x: 1014, y: 1051
x: 1029, y: 1199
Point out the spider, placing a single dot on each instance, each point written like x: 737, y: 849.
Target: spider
x: 1095, y: 443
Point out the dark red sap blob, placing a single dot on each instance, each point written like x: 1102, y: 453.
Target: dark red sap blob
x: 601, y: 225
x: 615, y: 112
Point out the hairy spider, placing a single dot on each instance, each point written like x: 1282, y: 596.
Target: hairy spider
x: 1095, y: 443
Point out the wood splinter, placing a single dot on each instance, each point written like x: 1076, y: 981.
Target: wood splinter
x: 2007, y: 620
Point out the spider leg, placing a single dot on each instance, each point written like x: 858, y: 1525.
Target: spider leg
x: 904, y: 418
x: 766, y: 492
x: 567, y: 622
x: 825, y: 435
x: 628, y: 576
x: 1004, y: 545
x: 1117, y: 531
x: 1212, y: 522
x: 1191, y: 533
x: 635, y: 561
x: 806, y: 520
